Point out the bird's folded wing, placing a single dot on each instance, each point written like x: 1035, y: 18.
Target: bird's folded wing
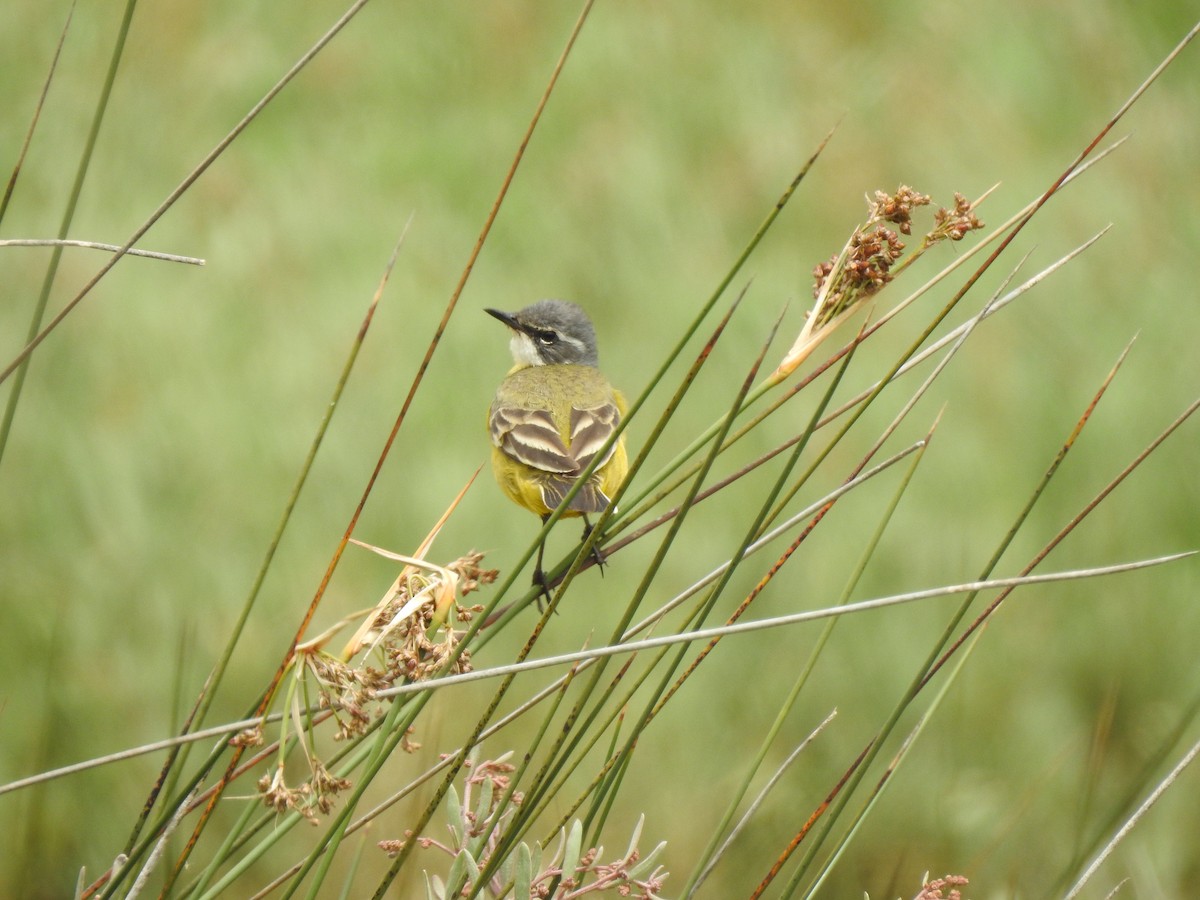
x: 590, y: 428
x: 531, y: 437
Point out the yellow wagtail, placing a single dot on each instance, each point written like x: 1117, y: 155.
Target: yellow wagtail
x: 552, y: 414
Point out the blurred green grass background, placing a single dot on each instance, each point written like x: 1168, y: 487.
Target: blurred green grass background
x: 164, y: 422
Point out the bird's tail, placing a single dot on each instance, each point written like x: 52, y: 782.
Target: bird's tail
x: 590, y: 498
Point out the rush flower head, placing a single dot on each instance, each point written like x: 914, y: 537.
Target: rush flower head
x: 871, y: 259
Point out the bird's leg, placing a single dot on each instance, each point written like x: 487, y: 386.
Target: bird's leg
x: 597, y: 556
x: 539, y: 576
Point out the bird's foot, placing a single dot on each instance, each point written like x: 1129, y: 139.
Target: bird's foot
x: 541, y: 582
x: 597, y: 554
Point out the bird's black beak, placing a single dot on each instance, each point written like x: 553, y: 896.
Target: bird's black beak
x: 507, y: 318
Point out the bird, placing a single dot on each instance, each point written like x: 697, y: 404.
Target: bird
x: 552, y: 414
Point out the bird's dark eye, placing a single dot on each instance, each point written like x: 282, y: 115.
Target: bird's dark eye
x: 547, y: 338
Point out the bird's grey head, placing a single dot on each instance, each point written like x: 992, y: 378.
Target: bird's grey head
x: 550, y: 332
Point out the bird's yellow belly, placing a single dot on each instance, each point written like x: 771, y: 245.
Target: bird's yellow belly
x: 521, y: 483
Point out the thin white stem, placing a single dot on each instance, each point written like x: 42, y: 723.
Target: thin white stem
x: 160, y: 847
x: 586, y: 656
x: 1133, y: 820
x: 989, y: 310
x: 95, y: 245
x: 758, y: 801
x: 705, y: 634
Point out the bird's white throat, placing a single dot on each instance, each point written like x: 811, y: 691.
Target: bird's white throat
x: 524, y: 351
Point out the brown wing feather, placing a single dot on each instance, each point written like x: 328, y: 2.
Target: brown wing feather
x: 529, y: 436
x: 590, y: 428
